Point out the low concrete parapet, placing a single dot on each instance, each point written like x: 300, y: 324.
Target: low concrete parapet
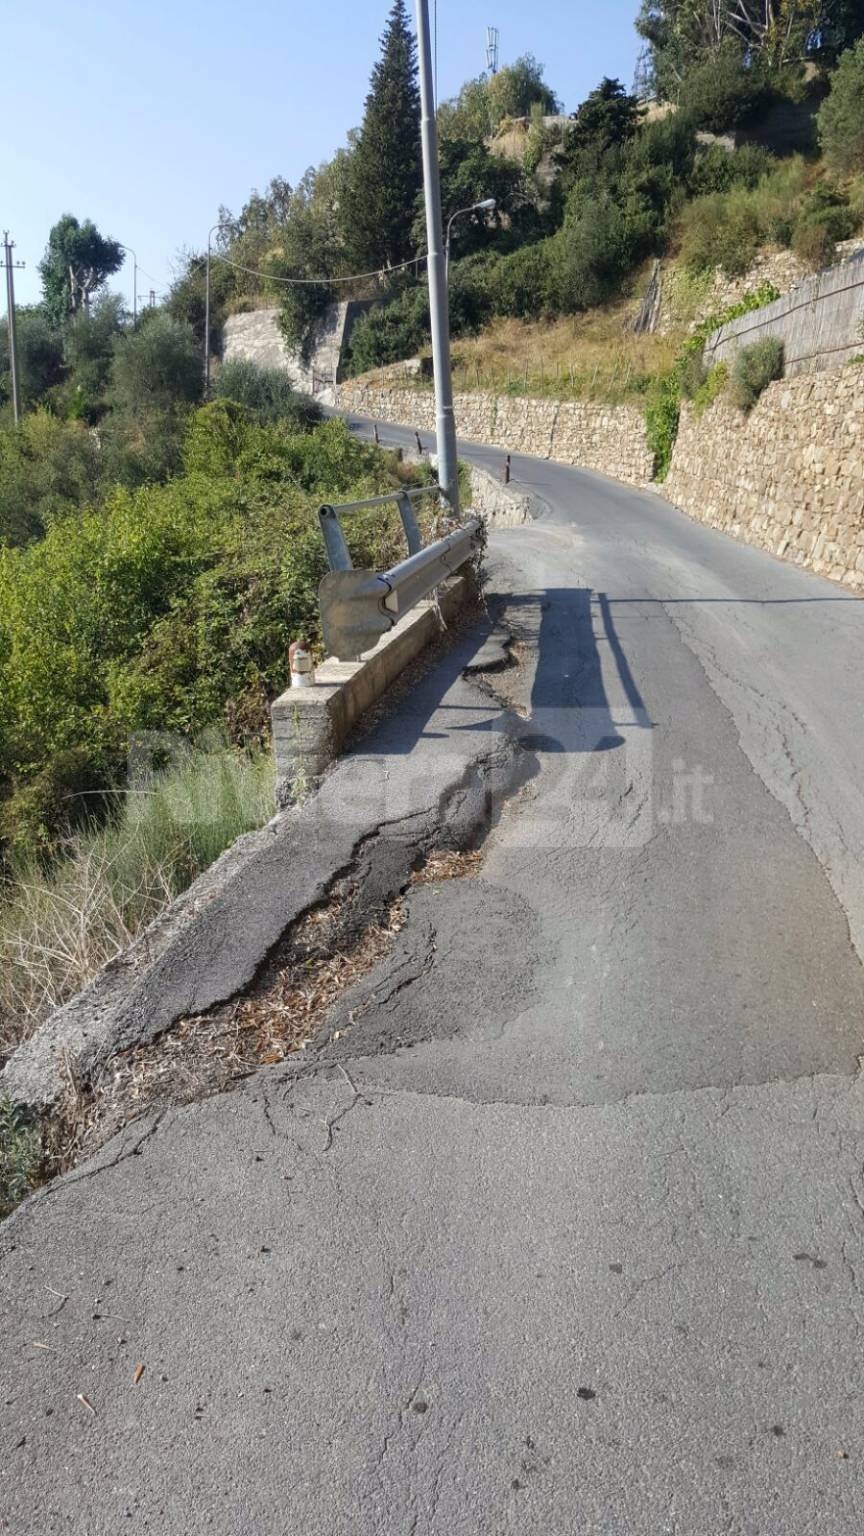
x: 311, y: 725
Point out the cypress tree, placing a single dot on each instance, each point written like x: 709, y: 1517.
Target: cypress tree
x: 385, y: 170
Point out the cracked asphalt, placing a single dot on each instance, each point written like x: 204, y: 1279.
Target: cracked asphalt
x: 564, y: 1233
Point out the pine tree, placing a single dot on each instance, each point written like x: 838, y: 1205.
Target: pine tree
x: 385, y: 170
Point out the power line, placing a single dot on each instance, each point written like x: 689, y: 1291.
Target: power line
x: 302, y: 282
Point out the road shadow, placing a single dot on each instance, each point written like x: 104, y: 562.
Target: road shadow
x: 570, y: 710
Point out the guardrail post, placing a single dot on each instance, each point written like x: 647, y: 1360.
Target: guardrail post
x: 334, y: 538
x: 507, y: 470
x: 409, y: 523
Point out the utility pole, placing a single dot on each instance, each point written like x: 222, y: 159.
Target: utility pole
x: 10, y: 265
x: 210, y: 233
x: 134, y: 283
x: 445, y: 424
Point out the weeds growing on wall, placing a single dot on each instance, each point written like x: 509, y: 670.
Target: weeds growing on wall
x: 688, y: 377
x: 20, y: 1155
x: 756, y: 367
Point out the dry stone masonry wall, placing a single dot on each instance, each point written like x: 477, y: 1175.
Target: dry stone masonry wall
x: 789, y: 477
x: 608, y: 438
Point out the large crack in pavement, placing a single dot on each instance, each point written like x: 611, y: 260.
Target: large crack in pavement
x: 360, y: 916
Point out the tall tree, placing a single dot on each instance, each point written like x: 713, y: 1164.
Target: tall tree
x: 608, y: 117
x: 77, y: 262
x: 385, y: 174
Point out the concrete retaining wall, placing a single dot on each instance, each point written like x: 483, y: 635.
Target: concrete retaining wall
x: 819, y: 321
x: 789, y: 477
x: 255, y: 337
x: 608, y: 438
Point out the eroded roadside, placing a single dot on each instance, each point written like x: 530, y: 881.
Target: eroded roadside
x: 351, y: 922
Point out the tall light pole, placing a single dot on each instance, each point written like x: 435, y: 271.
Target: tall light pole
x: 10, y: 265
x: 486, y: 206
x: 131, y: 253
x: 445, y: 425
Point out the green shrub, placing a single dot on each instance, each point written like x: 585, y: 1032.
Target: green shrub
x: 470, y: 293
x: 391, y: 332
x: 20, y: 1154
x: 814, y: 244
x: 521, y: 283
x: 718, y: 170
x: 663, y: 404
x: 303, y: 308
x: 712, y: 386
x: 595, y: 250
x: 48, y: 468
x: 720, y: 230
x: 754, y: 369
x: 157, y: 367
x: 169, y: 608
x: 40, y: 356
x: 841, y: 116
x: 91, y: 337
x: 267, y: 394
x: 692, y: 373
x: 825, y: 217
x: 778, y: 198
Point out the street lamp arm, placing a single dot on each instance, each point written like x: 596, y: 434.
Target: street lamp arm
x: 486, y: 205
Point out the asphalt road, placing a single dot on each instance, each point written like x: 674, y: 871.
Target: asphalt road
x: 565, y: 1235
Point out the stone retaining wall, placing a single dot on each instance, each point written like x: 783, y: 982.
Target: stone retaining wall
x: 608, y: 438
x: 789, y: 477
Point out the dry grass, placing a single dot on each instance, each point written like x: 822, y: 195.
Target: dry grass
x: 582, y: 357
x: 595, y: 356
x: 59, y: 927
x: 57, y: 932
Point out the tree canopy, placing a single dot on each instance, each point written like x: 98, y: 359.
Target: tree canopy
x: 681, y: 33
x: 841, y: 116
x: 78, y: 261
x: 483, y: 104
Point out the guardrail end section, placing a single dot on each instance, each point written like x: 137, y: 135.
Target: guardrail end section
x: 352, y: 616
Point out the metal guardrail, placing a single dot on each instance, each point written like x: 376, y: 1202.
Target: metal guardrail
x: 358, y: 607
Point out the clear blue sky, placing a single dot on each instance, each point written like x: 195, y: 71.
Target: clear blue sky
x: 147, y: 117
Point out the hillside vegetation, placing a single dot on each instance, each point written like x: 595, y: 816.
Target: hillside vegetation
x: 584, y: 201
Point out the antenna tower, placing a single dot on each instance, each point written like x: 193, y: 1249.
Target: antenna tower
x: 492, y: 50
